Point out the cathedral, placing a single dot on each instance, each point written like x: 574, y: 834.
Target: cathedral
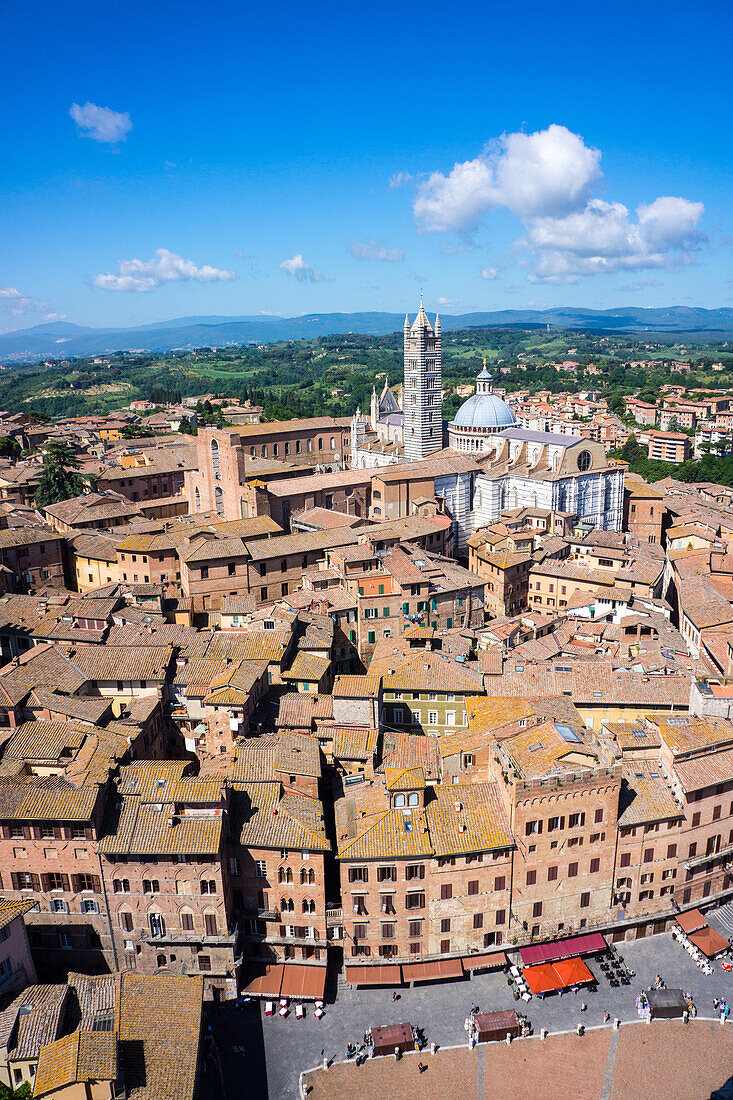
x: 514, y: 466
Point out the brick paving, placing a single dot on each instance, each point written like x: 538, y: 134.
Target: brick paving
x: 667, y: 1060
x: 263, y: 1057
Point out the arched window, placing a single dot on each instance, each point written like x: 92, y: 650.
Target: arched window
x: 303, y: 875
x: 584, y: 461
x: 157, y: 924
x: 305, y: 905
x: 219, y: 499
x: 399, y: 800
x: 333, y: 442
x: 214, y: 446
x: 288, y: 875
x: 197, y: 497
x: 413, y: 800
x: 311, y: 876
x: 287, y: 905
x: 281, y: 874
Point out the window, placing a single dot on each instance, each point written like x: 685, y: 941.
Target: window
x: 500, y: 916
x: 575, y: 821
x: 499, y: 882
x: 415, y: 901
x: 234, y: 867
x: 208, y: 886
x: 187, y: 922
x: 716, y: 813
x: 126, y: 921
x: 531, y: 878
x: 432, y: 717
x: 671, y: 851
x: 555, y: 823
x: 85, y: 882
x: 88, y: 905
x: 696, y: 819
x: 414, y: 928
x: 204, y: 962
x: 54, y: 880
x: 625, y: 859
x: 151, y: 886
x: 552, y: 874
x: 121, y: 886
x: 210, y: 924
x: 388, y: 931
x: 648, y: 855
x: 446, y: 891
x: 58, y: 905
x: 532, y: 828
x: 537, y: 909
x: 473, y: 886
x: 572, y: 870
x: 445, y: 925
x: 584, y: 901
x: 157, y: 924
x: 358, y: 874
x: 584, y: 461
x: 598, y: 817
x: 478, y: 920
x: 595, y: 865
x: 413, y: 871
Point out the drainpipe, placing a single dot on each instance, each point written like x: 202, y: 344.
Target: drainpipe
x: 109, y: 917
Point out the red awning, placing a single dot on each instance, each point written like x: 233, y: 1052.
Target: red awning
x: 305, y: 983
x: 432, y: 971
x: 374, y: 975
x: 541, y: 978
x: 691, y: 921
x: 548, y: 977
x: 562, y: 949
x: 265, y: 981
x: 709, y: 941
x: 572, y: 972
x: 484, y: 962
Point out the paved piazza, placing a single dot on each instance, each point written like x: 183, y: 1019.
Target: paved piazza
x: 262, y: 1057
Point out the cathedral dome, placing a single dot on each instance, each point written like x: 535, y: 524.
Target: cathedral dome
x: 482, y: 415
x: 484, y: 410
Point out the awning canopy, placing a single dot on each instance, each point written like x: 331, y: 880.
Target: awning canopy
x: 666, y: 1003
x: 541, y: 978
x: 691, y: 921
x: 709, y: 941
x: 265, y: 981
x: 549, y: 977
x: 484, y: 962
x: 562, y: 949
x: 432, y: 971
x: 493, y: 1026
x: 385, y: 1039
x: 374, y: 975
x: 305, y: 983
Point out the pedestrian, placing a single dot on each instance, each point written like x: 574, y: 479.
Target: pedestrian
x: 395, y: 995
x: 583, y: 1006
x: 474, y: 1009
x: 421, y: 1068
x: 606, y: 1017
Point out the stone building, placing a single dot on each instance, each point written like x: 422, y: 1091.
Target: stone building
x: 560, y: 473
x: 422, y: 402
x: 481, y: 416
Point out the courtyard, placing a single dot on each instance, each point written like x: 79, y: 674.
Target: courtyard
x: 263, y: 1057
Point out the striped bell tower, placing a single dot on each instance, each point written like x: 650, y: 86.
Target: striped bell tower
x: 422, y: 403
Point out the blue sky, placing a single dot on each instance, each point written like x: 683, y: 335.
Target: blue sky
x: 167, y: 159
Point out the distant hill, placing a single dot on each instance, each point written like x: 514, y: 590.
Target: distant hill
x: 60, y: 340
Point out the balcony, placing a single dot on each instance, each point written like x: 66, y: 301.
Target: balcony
x: 334, y: 918
x: 268, y: 914
x: 174, y: 936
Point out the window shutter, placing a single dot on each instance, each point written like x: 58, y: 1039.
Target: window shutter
x: 96, y: 884
x: 35, y: 882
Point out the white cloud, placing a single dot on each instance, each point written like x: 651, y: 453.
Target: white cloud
x: 100, y: 123
x: 400, y: 179
x: 375, y: 250
x: 547, y: 172
x: 55, y: 317
x: 448, y: 302
x: 165, y: 267
x: 546, y: 179
x: 13, y: 301
x: 300, y: 270
x: 603, y: 238
x: 640, y: 284
x: 489, y: 273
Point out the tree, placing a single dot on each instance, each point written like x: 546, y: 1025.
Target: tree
x: 9, y: 447
x: 59, y: 478
x: 187, y: 426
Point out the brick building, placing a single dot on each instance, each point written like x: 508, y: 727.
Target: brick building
x: 31, y: 557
